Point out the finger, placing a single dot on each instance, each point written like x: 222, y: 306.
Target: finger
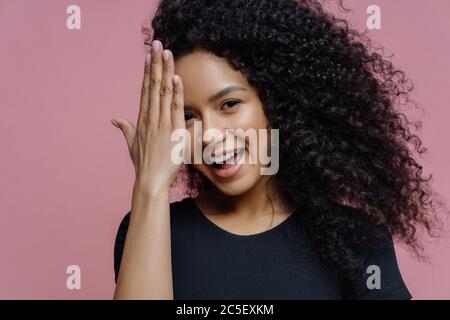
x: 155, y: 83
x: 128, y: 129
x: 145, y: 94
x: 178, y: 103
x: 166, y: 93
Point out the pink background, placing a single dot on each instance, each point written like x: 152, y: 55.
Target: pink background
x: 66, y: 176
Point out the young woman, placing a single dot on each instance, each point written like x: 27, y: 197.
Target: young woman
x: 321, y: 226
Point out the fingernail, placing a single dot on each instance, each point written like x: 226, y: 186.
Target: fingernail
x: 176, y: 80
x: 114, y: 122
x: 166, y: 55
x: 148, y: 58
x: 155, y: 46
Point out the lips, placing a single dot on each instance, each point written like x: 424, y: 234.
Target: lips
x: 229, y: 166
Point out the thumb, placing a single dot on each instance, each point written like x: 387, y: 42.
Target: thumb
x: 127, y: 127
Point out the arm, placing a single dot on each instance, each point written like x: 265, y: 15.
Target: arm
x: 146, y: 270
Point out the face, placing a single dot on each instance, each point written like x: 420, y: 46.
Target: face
x: 218, y: 98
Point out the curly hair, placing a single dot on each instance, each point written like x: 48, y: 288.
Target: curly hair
x: 336, y: 101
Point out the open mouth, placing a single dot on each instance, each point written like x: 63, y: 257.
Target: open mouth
x: 227, y: 165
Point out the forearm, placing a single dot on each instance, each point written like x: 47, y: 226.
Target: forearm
x: 146, y: 266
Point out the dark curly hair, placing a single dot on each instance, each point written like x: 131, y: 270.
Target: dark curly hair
x: 336, y: 101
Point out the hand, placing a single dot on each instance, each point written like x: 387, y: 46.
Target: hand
x: 161, y: 112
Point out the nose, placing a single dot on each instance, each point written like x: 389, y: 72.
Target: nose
x: 213, y: 131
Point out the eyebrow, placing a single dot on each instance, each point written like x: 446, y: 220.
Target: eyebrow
x: 225, y: 91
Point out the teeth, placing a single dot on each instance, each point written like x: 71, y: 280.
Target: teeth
x: 224, y: 158
x: 228, y: 156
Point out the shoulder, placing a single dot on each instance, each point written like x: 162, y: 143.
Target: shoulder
x: 364, y: 228
x: 181, y: 207
x: 367, y: 235
x: 381, y: 277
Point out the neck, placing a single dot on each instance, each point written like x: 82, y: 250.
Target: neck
x: 256, y: 201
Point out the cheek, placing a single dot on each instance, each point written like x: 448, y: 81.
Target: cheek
x: 254, y: 118
x: 251, y: 116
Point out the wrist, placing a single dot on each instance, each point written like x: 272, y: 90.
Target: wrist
x: 150, y: 189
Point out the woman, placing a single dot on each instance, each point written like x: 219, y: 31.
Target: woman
x: 320, y: 227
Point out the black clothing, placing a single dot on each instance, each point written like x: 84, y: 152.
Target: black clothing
x: 209, y: 262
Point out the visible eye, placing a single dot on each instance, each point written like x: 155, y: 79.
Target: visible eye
x: 188, y: 116
x: 230, y: 104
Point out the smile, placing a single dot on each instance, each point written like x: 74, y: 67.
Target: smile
x: 227, y: 166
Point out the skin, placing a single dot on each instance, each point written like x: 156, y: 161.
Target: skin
x: 235, y: 204
x: 241, y: 204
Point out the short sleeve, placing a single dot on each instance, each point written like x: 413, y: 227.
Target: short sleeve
x: 119, y: 243
x: 381, y: 278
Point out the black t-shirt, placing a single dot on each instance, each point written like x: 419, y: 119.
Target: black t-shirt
x: 209, y: 262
